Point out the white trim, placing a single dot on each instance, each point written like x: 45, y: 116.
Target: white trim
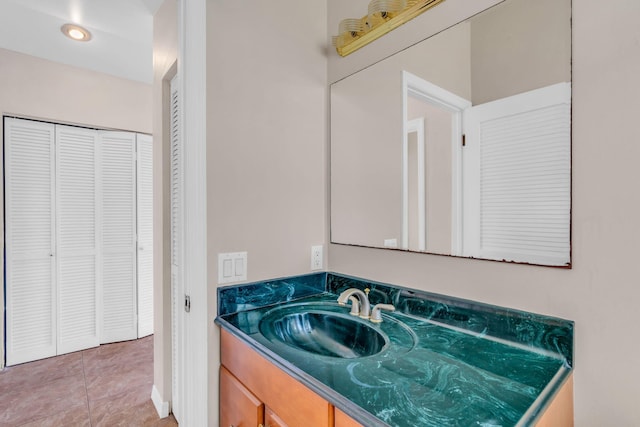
x: 442, y: 98
x: 176, y: 248
x: 162, y: 407
x: 192, y: 70
x: 404, y: 243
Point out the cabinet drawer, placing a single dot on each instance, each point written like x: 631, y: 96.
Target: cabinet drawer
x: 238, y: 406
x: 344, y: 420
x: 294, y: 403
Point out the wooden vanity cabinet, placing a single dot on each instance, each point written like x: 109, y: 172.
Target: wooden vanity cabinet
x: 560, y: 410
x: 254, y: 392
x: 284, y: 401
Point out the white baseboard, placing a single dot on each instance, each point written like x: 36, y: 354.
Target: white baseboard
x: 161, y: 407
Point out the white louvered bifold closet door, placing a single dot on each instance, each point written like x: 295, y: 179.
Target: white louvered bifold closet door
x: 118, y: 203
x: 30, y: 261
x: 145, y: 234
x: 518, y: 177
x: 77, y: 239
x: 177, y: 288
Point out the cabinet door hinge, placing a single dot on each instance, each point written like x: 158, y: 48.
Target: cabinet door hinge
x: 187, y: 303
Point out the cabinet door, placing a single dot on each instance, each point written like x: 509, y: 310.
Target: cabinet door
x: 238, y: 406
x: 30, y: 257
x: 272, y: 420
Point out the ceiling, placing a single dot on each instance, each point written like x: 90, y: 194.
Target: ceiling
x: 122, y: 43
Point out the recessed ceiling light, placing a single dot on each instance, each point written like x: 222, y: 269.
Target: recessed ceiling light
x: 76, y: 32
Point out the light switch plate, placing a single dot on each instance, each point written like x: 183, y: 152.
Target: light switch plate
x: 232, y: 267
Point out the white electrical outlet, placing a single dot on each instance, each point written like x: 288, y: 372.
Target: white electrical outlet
x: 316, y: 257
x: 390, y: 243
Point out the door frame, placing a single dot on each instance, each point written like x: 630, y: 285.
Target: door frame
x: 192, y: 54
x: 417, y: 87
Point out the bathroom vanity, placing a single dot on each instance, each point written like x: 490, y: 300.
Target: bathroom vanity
x: 291, y: 355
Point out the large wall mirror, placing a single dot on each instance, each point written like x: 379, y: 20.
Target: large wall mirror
x: 461, y: 144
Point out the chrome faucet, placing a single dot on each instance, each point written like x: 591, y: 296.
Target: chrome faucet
x: 364, y: 307
x: 355, y: 306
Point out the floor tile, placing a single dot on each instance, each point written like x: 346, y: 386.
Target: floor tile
x: 105, y: 408
x: 109, y: 385
x: 143, y: 414
x: 34, y: 374
x: 118, y: 356
x: 169, y: 421
x: 78, y: 417
x: 66, y: 393
x: 114, y: 383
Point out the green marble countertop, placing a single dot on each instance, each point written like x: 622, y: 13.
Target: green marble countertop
x: 430, y: 373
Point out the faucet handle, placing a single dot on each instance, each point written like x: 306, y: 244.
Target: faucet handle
x: 355, y: 306
x: 376, y: 316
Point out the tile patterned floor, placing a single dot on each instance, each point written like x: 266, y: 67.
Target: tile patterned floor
x: 108, y: 385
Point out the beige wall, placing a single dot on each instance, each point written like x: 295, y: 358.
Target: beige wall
x: 518, y: 47
x: 42, y: 89
x: 601, y: 292
x: 37, y: 88
x: 366, y: 153
x: 266, y: 142
x: 165, y: 53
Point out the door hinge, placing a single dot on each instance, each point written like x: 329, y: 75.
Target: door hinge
x: 464, y: 140
x: 187, y: 303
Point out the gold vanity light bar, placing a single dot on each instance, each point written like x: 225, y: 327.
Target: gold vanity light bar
x: 360, y: 32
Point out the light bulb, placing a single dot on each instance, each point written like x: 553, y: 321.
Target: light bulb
x: 76, y: 32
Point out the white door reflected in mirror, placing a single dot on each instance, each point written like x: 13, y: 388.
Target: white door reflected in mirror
x: 414, y: 234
